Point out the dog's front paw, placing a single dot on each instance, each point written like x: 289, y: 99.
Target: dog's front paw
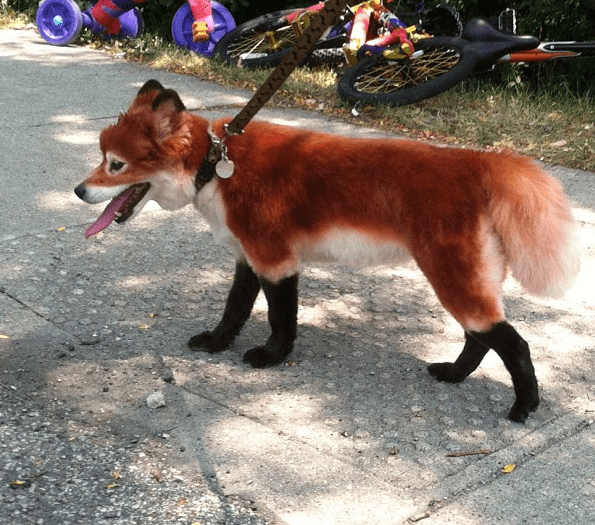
x: 209, y: 342
x: 520, y: 410
x: 447, y: 372
x: 267, y: 355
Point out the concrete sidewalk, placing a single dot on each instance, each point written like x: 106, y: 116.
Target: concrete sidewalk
x: 352, y: 430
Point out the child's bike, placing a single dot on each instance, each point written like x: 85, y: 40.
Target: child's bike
x: 60, y: 22
x: 265, y: 40
x: 382, y: 79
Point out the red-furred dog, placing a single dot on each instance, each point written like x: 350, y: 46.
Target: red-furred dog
x: 295, y: 196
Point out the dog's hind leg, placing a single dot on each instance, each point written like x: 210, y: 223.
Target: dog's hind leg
x: 470, y: 358
x: 282, y: 299
x: 467, y: 276
x: 514, y: 352
x: 238, y: 307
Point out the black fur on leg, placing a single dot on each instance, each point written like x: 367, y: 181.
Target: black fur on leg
x: 282, y: 299
x: 470, y: 358
x: 238, y: 307
x: 514, y: 352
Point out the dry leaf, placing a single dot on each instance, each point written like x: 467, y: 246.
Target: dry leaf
x: 558, y: 144
x: 18, y: 483
x: 112, y: 486
x: 507, y: 469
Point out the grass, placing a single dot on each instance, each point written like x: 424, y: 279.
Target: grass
x: 554, y: 126
x: 9, y: 19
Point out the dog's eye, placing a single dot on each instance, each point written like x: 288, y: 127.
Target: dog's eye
x: 115, y: 165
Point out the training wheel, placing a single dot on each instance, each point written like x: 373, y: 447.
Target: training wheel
x: 181, y: 28
x: 59, y: 22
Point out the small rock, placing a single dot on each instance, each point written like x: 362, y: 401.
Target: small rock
x: 156, y: 400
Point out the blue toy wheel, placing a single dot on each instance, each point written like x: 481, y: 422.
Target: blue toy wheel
x: 59, y: 22
x: 181, y: 28
x: 132, y: 24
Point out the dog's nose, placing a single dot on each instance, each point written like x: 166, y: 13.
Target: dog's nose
x: 80, y: 191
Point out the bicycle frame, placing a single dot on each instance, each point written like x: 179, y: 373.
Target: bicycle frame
x: 393, y: 30
x: 550, y: 51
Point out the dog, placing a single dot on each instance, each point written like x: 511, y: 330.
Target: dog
x: 465, y: 216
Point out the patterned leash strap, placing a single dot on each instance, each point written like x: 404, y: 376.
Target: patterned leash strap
x: 318, y: 25
x: 216, y: 160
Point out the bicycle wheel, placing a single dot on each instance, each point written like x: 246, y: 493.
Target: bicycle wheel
x: 442, y: 62
x: 261, y: 42
x: 59, y: 22
x: 264, y: 41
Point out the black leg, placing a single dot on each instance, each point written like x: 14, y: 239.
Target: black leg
x: 470, y: 358
x: 239, y: 304
x: 514, y: 352
x: 282, y: 299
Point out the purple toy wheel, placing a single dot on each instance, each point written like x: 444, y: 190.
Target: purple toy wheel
x: 181, y: 28
x: 59, y: 22
x: 132, y: 24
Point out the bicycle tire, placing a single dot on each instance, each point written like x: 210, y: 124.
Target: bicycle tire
x: 443, y: 20
x: 247, y: 44
x: 444, y: 62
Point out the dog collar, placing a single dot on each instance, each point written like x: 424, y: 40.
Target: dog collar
x: 216, y: 161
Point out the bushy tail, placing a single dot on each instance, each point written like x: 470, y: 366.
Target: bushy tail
x: 534, y: 219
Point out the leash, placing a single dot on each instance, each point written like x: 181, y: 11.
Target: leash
x: 216, y: 160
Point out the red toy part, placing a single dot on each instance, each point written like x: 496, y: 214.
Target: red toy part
x: 201, y: 11
x: 398, y: 36
x: 107, y: 12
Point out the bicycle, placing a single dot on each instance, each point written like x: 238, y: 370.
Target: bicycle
x: 265, y: 40
x: 380, y: 79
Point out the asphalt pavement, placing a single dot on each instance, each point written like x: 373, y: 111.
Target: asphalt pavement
x: 351, y: 430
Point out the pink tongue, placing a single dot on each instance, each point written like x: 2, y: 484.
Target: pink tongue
x: 109, y: 214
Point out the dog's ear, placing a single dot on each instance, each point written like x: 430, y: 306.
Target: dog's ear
x: 170, y: 98
x: 167, y: 106
x: 150, y: 85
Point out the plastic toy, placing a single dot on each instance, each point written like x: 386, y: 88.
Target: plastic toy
x: 184, y: 19
x: 203, y: 19
x: 60, y: 22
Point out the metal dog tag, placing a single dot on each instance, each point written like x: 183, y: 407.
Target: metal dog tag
x: 224, y: 168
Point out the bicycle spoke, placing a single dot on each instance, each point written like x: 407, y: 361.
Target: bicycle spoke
x: 389, y: 76
x: 260, y: 42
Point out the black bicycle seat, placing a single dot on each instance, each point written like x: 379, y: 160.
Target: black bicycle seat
x: 491, y: 44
